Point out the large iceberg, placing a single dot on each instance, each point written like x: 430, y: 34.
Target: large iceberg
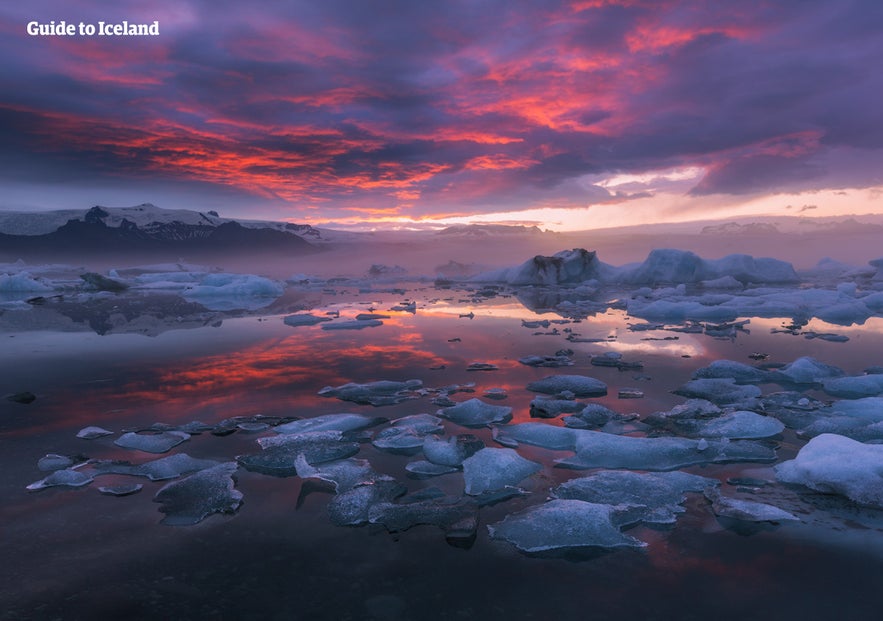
x: 682, y: 266
x: 566, y: 267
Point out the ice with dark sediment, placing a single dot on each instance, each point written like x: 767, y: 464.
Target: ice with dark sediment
x: 457, y: 516
x: 563, y: 525
x: 741, y: 373
x: 304, y: 319
x: 451, y: 451
x: 62, y: 478
x: 595, y: 449
x: 92, y: 432
x: 191, y: 500
x: 279, y: 454
x: 547, y: 361
x: 495, y: 468
x: 406, y: 435
x: 566, y: 267
x: 550, y: 408
x: 355, y: 324
x: 152, y: 442
x: 834, y: 464
x: 595, y: 415
x: 537, y: 434
x: 124, y: 489
x: 722, y: 391
x: 476, y: 413
x: 746, y: 510
x: 740, y: 424
x: 160, y: 469
x: 352, y: 507
x: 807, y: 370
x: 423, y: 469
x: 330, y: 422
x: 383, y: 392
x: 342, y: 475
x: 653, y: 497
x: 578, y: 385
x: 854, y: 386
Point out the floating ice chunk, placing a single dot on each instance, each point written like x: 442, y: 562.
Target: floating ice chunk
x: 152, y: 442
x: 90, y: 433
x: 476, y: 413
x: 682, y: 266
x: 304, y: 320
x: 566, y: 267
x: 547, y: 361
x: 724, y: 282
x: 594, y: 415
x: 808, y: 370
x: 746, y: 510
x: 280, y: 452
x: 736, y: 425
x: 537, y: 434
x: 384, y: 392
x: 356, y: 324
x: 657, y: 497
x: 453, y: 450
x: 741, y: 373
x: 456, y: 516
x: 330, y: 422
x: 482, y: 366
x: 52, y: 461
x: 492, y: 469
x: 854, y: 387
x: 157, y: 470
x: 423, y: 469
x: 579, y: 385
x: 98, y: 282
x: 849, y: 426
x: 406, y: 435
x: 191, y: 500
x: 868, y: 408
x: 595, y: 449
x: 234, y: 291
x: 563, y: 525
x: 351, y: 508
x: 834, y: 464
x: 497, y: 394
x: 343, y: 475
x: 62, y: 478
x: 126, y: 489
x: 721, y: 390
x: 550, y: 408
x: 22, y: 283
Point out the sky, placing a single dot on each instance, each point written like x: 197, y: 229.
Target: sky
x: 571, y: 114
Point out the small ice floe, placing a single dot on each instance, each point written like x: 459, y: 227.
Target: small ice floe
x: 495, y: 468
x: 563, y: 525
x: 536, y: 434
x: 423, y: 469
x: 834, y: 464
x: 406, y: 307
x: 352, y: 507
x: 854, y: 386
x: 330, y: 422
x: 595, y: 415
x: 343, y: 475
x: 547, y: 361
x: 630, y: 393
x: 595, y: 449
x: 482, y: 366
x: 652, y: 497
x: 614, y: 359
x: 497, y: 394
x: 746, y: 510
x: 279, y: 454
x: 191, y: 500
x: 722, y: 391
x: 160, y: 469
x: 579, y: 385
x: 826, y: 336
x: 62, y: 478
x: 698, y: 417
x: 807, y: 370
x: 126, y: 489
x: 451, y: 451
x: 739, y: 372
x: 370, y: 316
x: 152, y: 442
x: 90, y: 433
x: 458, y: 517
x: 550, y: 408
x: 355, y: 324
x: 304, y: 320
x: 406, y: 435
x: 383, y: 392
x: 53, y: 461
x: 476, y: 413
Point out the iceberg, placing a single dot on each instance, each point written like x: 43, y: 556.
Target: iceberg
x: 739, y: 372
x: 304, y: 320
x: 578, y: 385
x: 355, y: 324
x: 854, y: 386
x: 566, y: 267
x: 492, y: 469
x: 807, y: 370
x: 476, y: 413
x: 383, y: 392
x: 652, y: 498
x: 834, y: 464
x: 191, y: 500
x: 563, y: 525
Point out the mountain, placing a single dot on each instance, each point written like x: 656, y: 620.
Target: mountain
x: 486, y: 230
x: 146, y: 229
